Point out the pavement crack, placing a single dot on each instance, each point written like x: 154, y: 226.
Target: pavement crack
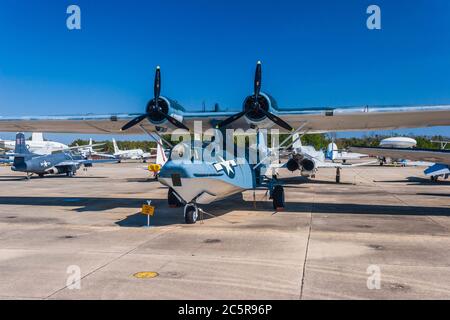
x: 307, y: 248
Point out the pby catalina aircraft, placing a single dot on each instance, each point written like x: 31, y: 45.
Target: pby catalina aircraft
x: 61, y: 162
x: 203, y: 181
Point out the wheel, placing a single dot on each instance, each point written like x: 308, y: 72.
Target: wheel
x: 190, y: 213
x: 41, y: 175
x: 338, y: 179
x: 172, y: 199
x: 70, y: 174
x: 278, y: 198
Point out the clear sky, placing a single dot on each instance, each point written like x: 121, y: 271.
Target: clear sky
x: 314, y: 53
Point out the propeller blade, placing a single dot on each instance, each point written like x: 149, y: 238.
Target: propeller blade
x: 257, y: 87
x: 231, y: 119
x: 157, y: 84
x: 174, y: 121
x: 276, y: 120
x: 134, y: 122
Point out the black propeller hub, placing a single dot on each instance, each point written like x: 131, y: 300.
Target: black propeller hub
x: 253, y: 107
x: 152, y: 110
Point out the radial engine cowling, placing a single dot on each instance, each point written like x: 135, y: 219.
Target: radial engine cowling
x: 256, y: 116
x: 166, y: 106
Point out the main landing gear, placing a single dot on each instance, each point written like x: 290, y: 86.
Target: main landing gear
x: 338, y: 175
x: 190, y: 213
x: 278, y: 198
x: 173, y: 200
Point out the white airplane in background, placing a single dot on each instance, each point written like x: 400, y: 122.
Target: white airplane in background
x: 88, y: 151
x: 36, y: 145
x: 440, y: 159
x: 308, y: 160
x: 133, y: 154
x: 399, y: 143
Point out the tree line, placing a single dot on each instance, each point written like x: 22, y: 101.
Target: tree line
x: 319, y: 141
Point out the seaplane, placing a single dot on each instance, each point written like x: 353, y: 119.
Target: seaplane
x: 198, y: 179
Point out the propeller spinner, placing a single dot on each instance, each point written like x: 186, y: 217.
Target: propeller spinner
x: 155, y: 108
x: 256, y: 107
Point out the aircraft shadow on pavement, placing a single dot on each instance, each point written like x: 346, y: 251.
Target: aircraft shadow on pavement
x: 417, y: 181
x: 168, y: 216
x: 19, y: 178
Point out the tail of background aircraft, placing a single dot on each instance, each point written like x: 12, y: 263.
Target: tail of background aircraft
x: 297, y: 141
x: 332, y: 151
x: 116, y: 148
x: 90, y: 146
x: 21, y: 146
x: 161, y: 157
x: 37, y: 136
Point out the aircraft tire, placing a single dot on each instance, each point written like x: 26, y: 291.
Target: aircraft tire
x: 278, y: 198
x: 190, y: 213
x: 172, y: 199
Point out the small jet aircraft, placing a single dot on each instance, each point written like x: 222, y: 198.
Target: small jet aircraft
x: 440, y: 158
x: 133, y: 154
x: 308, y: 161
x: 36, y: 145
x: 60, y: 162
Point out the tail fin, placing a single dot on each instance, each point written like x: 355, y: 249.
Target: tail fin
x: 332, y: 151
x: 90, y: 145
x: 21, y: 146
x: 116, y: 148
x: 37, y: 136
x: 161, y: 158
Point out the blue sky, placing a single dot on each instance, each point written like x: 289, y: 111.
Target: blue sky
x: 314, y: 53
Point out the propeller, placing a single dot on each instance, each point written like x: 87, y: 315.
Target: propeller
x: 256, y: 106
x: 155, y: 109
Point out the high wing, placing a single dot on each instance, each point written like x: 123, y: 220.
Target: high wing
x: 313, y: 120
x: 429, y: 155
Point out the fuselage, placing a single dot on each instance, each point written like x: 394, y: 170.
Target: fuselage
x: 42, y: 164
x: 204, y: 182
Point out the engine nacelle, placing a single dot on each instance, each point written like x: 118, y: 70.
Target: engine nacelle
x: 308, y: 165
x: 292, y: 165
x: 166, y: 106
x: 257, y: 118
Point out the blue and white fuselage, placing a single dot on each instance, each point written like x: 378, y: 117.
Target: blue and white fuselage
x: 203, y: 182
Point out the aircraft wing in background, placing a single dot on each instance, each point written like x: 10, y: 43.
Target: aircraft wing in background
x: 429, y: 155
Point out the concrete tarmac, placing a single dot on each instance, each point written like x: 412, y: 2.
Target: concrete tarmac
x: 383, y: 233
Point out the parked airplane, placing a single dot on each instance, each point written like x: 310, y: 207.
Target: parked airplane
x: 133, y: 154
x: 396, y: 142
x: 36, y: 145
x: 440, y: 158
x: 204, y: 181
x: 88, y: 151
x: 60, y: 162
x: 308, y: 160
